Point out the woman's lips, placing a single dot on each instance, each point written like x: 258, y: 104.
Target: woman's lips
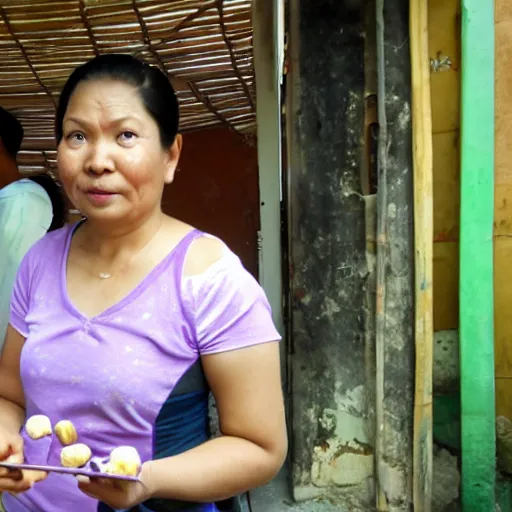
x: 100, y: 197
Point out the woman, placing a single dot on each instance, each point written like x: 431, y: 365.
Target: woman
x: 124, y: 322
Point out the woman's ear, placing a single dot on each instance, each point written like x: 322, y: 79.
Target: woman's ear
x: 173, y: 158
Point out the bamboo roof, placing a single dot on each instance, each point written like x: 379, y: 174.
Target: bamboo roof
x: 204, y: 46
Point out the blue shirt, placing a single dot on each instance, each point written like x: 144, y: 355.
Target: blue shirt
x: 25, y: 216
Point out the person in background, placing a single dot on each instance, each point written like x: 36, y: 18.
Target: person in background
x: 29, y: 208
x: 123, y: 323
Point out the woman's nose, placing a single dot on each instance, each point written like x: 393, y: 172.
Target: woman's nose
x: 99, y: 160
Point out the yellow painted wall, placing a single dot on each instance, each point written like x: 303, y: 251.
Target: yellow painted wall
x: 444, y: 41
x: 503, y: 208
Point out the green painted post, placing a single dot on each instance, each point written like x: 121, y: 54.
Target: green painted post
x: 476, y: 257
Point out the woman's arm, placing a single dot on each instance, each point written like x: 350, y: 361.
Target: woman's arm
x: 246, y: 384
x: 12, y: 416
x: 12, y: 398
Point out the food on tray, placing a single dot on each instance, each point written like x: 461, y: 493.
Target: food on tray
x: 124, y: 460
x: 66, y: 432
x: 75, y: 455
x: 38, y: 426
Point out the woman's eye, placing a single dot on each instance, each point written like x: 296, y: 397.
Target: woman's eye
x: 127, y: 136
x: 76, y: 136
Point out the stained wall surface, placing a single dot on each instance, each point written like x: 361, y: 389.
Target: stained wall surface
x: 216, y: 189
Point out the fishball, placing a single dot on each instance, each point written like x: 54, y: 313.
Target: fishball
x: 75, y: 455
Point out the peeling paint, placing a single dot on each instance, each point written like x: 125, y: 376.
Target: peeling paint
x: 345, y: 457
x: 330, y: 307
x: 339, y: 467
x: 328, y: 420
x: 404, y: 118
x: 394, y: 483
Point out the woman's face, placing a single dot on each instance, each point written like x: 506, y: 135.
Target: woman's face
x: 110, y: 159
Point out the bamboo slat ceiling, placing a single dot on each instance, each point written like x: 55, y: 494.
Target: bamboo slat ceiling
x: 205, y: 47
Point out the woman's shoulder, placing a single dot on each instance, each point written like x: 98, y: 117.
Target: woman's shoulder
x: 202, y: 250
x: 59, y: 236
x: 43, y: 258
x: 53, y: 242
x: 206, y: 252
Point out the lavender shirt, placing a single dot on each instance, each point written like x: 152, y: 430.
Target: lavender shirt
x: 112, y: 374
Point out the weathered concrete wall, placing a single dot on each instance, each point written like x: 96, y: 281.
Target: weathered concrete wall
x: 395, y: 468
x: 331, y: 432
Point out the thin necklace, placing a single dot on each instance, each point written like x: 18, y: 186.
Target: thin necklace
x: 107, y: 275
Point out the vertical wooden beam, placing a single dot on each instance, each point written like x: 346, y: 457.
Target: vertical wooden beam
x: 395, y: 260
x: 424, y: 233
x: 476, y: 257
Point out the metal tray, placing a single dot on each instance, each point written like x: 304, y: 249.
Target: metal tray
x: 93, y: 471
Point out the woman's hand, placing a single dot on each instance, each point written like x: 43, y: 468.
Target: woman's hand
x: 14, y: 480
x: 118, y: 494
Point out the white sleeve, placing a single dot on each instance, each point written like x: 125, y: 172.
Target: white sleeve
x: 25, y: 216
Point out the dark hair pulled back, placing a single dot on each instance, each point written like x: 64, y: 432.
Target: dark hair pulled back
x: 154, y: 88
